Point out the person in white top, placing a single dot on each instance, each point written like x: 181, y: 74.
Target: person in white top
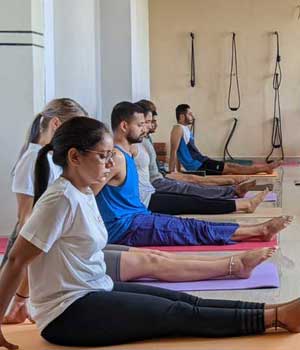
x: 77, y: 304
x: 123, y: 263
x: 40, y: 133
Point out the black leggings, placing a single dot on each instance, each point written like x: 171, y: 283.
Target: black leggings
x: 134, y: 312
x: 175, y: 204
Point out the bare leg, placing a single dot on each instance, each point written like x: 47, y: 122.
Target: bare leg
x: 288, y: 316
x: 217, y: 180
x: 264, y: 232
x: 201, y: 180
x: 149, y: 265
x: 244, y: 187
x: 183, y: 256
x: 250, y: 205
x: 230, y: 168
x: 236, y: 179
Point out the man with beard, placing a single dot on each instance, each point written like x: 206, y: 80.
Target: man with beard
x: 205, y: 187
x: 175, y: 197
x: 130, y: 223
x: 184, y: 150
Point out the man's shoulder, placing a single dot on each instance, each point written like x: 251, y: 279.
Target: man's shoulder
x: 177, y: 129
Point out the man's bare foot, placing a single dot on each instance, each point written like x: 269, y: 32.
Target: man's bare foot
x: 288, y: 316
x: 244, y: 187
x: 243, y: 264
x: 273, y: 226
x: 238, y: 178
x: 250, y: 205
x: 273, y: 165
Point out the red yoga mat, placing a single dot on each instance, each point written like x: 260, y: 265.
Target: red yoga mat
x: 216, y: 248
x: 3, y: 243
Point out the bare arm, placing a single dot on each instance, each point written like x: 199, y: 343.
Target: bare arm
x: 176, y: 135
x: 22, y: 253
x: 115, y: 177
x: 25, y: 204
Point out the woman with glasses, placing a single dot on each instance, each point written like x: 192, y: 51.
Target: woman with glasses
x: 79, y: 305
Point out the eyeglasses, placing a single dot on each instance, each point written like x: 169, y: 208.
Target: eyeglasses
x: 104, y: 157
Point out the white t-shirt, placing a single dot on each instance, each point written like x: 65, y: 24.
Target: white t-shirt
x: 23, y: 180
x: 142, y: 162
x: 66, y: 225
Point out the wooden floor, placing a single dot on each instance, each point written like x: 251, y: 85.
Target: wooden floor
x: 27, y: 337
x: 288, y: 262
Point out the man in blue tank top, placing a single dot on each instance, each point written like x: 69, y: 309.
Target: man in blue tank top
x: 184, y: 151
x: 129, y: 222
x: 209, y: 187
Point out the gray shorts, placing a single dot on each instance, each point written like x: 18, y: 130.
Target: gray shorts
x: 112, y: 258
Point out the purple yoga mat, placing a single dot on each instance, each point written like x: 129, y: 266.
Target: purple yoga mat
x: 270, y: 197
x: 264, y: 275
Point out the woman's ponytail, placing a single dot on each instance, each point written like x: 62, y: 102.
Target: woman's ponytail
x: 42, y: 171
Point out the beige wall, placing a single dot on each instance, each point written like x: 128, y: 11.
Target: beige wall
x: 213, y: 22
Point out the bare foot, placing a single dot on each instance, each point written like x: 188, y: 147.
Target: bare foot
x: 288, y: 316
x: 273, y: 226
x: 273, y: 165
x: 250, y: 205
x: 243, y: 264
x: 240, y: 178
x: 244, y: 187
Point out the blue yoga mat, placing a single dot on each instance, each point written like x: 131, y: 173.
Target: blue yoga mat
x: 264, y: 275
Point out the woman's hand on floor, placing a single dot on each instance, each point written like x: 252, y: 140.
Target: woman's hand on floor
x: 18, y: 312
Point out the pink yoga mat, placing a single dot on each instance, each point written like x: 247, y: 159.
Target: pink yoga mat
x: 3, y: 243
x: 216, y: 248
x: 263, y: 276
x: 270, y: 197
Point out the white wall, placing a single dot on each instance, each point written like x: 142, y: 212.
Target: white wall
x: 140, y: 50
x: 124, y: 52
x: 74, y: 51
x: 96, y: 51
x: 21, y: 92
x: 213, y: 22
x: 115, y: 32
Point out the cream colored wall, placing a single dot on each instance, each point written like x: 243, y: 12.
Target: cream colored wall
x: 213, y: 22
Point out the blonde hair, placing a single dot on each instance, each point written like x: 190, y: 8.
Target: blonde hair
x: 61, y: 108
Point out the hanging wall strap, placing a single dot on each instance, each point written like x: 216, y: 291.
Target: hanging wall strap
x: 276, y: 128
x: 193, y: 73
x: 233, y: 78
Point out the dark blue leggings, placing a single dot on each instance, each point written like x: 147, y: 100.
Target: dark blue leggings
x: 133, y: 312
x: 167, y: 230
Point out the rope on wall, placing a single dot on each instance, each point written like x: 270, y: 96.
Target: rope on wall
x: 276, y: 128
x: 233, y: 107
x: 193, y: 71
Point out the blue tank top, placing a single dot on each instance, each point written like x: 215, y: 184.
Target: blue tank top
x: 188, y: 154
x: 118, y: 205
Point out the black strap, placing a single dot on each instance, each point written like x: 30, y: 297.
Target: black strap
x: 233, y: 76
x: 276, y: 128
x: 226, y: 151
x: 193, y: 72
